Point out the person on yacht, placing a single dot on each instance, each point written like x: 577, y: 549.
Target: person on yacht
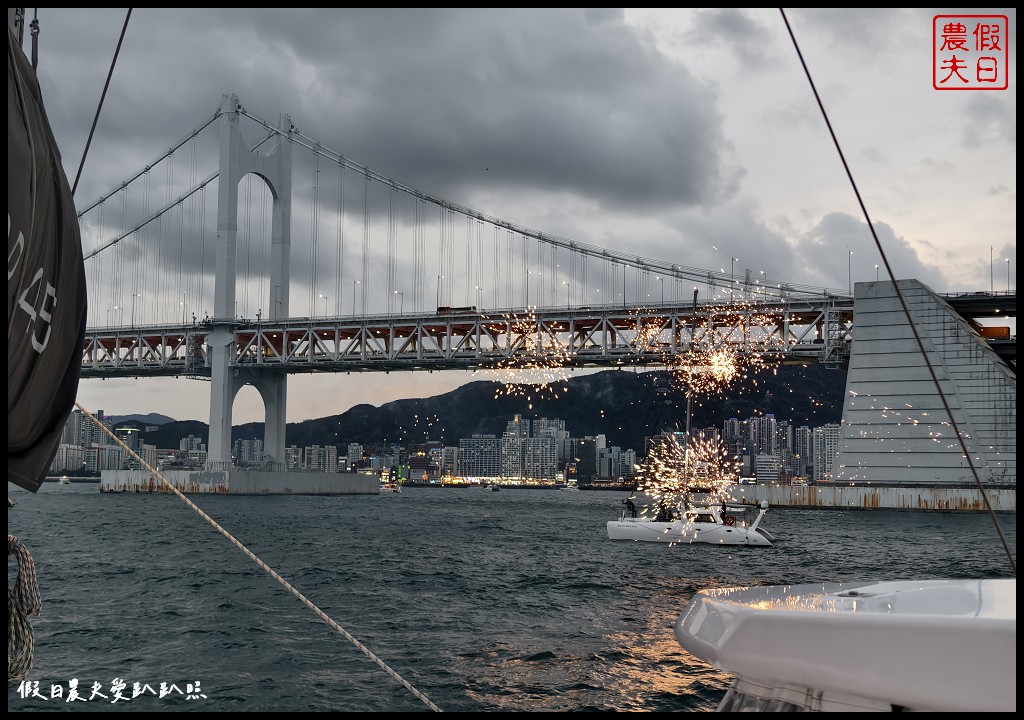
x: 628, y: 502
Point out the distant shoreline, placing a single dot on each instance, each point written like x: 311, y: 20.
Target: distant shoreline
x: 509, y: 486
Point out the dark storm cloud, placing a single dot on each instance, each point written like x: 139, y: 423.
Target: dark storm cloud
x: 560, y: 100
x: 750, y: 41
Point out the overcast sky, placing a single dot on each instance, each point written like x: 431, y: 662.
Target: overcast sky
x: 689, y: 136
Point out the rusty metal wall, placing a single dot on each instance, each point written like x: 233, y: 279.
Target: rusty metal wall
x: 869, y: 497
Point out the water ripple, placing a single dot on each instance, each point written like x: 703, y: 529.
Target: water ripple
x: 512, y: 601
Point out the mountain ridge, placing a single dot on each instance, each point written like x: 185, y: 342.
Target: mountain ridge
x: 623, y: 405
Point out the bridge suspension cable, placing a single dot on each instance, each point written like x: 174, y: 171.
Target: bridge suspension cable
x: 534, y: 268
x: 694, y: 274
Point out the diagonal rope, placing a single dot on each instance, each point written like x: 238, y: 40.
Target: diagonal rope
x: 252, y: 556
x: 106, y: 86
x: 902, y: 300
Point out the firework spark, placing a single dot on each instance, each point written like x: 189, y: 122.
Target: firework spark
x: 702, y: 465
x: 536, y: 365
x: 728, y: 344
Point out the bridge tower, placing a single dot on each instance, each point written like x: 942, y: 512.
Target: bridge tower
x: 895, y: 429
x: 274, y: 166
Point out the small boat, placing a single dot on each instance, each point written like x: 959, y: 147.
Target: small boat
x: 569, y: 488
x: 494, y: 488
x: 860, y: 646
x: 390, y: 487
x: 64, y: 480
x: 694, y: 524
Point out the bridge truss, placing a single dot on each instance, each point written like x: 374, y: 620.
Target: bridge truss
x: 799, y: 331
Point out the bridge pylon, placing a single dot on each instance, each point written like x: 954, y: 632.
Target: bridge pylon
x: 273, y: 164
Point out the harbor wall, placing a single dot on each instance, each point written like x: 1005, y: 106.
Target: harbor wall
x: 937, y: 499
x: 240, y: 482
x: 246, y: 482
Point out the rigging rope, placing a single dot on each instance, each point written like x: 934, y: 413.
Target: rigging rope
x: 314, y: 250
x: 99, y: 107
x: 339, y: 278
x: 252, y: 556
x: 366, y: 245
x: 903, y: 303
x: 22, y: 602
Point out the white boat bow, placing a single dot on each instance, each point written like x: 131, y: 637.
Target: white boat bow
x: 923, y: 645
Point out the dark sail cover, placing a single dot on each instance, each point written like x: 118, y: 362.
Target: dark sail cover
x: 46, y: 293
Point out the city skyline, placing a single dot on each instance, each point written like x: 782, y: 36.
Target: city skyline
x: 765, y: 448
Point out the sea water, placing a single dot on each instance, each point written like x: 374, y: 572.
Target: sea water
x: 477, y: 601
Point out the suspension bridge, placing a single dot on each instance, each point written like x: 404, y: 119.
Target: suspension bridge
x: 249, y: 251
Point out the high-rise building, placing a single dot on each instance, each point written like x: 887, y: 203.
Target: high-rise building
x: 129, y: 435
x: 763, y: 434
x: 767, y: 468
x: 826, y: 443
x: 293, y: 458
x: 196, y: 443
x: 540, y: 458
x: 628, y: 464
x: 586, y: 457
x: 735, y: 433
x: 354, y: 456
x: 69, y: 458
x: 609, y: 463
x: 803, y: 451
x: 480, y: 456
x: 449, y: 460
x: 322, y: 459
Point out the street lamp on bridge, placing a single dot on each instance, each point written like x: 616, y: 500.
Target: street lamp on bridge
x: 324, y: 298
x: 991, y: 275
x: 849, y: 273
x: 624, y: 285
x: 354, y: 283
x: 134, y: 295
x: 732, y: 276
x: 401, y: 301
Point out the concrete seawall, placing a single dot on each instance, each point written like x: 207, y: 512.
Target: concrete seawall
x: 936, y: 499
x: 240, y: 482
x: 245, y: 482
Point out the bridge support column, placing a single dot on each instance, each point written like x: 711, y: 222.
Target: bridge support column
x: 224, y: 386
x: 273, y: 166
x: 274, y: 391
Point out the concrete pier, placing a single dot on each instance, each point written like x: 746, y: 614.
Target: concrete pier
x: 866, y: 497
x: 240, y: 482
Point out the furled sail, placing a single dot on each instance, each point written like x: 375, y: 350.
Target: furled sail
x: 46, y: 290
